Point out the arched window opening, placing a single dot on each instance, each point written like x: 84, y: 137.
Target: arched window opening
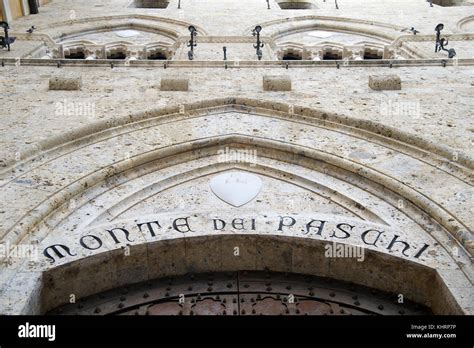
x: 292, y: 56
x: 300, y: 5
x: 150, y: 4
x: 448, y: 3
x: 75, y: 54
x: 119, y: 55
x: 158, y: 55
x: 330, y: 55
x: 372, y: 54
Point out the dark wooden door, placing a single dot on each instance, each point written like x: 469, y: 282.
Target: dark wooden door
x: 243, y: 293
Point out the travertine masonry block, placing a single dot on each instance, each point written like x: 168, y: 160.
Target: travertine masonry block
x: 65, y: 83
x: 276, y: 83
x: 385, y: 82
x: 175, y: 84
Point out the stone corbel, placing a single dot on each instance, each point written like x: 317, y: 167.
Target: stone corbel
x: 135, y: 52
x: 318, y: 55
x: 131, y: 54
x: 48, y: 54
x: 58, y: 52
x: 279, y: 54
x: 93, y: 52
x: 353, y: 53
x: 66, y: 52
x: 313, y: 53
x: 169, y: 53
x: 389, y: 52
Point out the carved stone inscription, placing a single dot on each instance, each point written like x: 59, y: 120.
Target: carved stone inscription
x: 330, y: 229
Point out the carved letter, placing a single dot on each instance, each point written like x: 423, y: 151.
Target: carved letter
x: 222, y: 222
x: 112, y: 233
x: 239, y: 222
x: 149, y: 225
x: 320, y: 227
x: 339, y: 227
x: 83, y: 244
x: 282, y: 224
x: 253, y: 225
x: 394, y: 240
x: 177, y: 226
x: 55, y: 248
x: 376, y: 239
x: 421, y: 251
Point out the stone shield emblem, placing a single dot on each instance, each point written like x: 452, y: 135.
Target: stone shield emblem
x: 236, y: 188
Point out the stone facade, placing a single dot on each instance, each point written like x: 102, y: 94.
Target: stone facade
x: 357, y: 131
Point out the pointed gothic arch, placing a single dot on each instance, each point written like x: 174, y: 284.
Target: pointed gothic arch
x: 148, y: 159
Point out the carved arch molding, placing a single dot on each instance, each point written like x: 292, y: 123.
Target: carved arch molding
x: 129, y: 203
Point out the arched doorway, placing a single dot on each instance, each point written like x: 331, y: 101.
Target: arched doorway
x: 341, y: 180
